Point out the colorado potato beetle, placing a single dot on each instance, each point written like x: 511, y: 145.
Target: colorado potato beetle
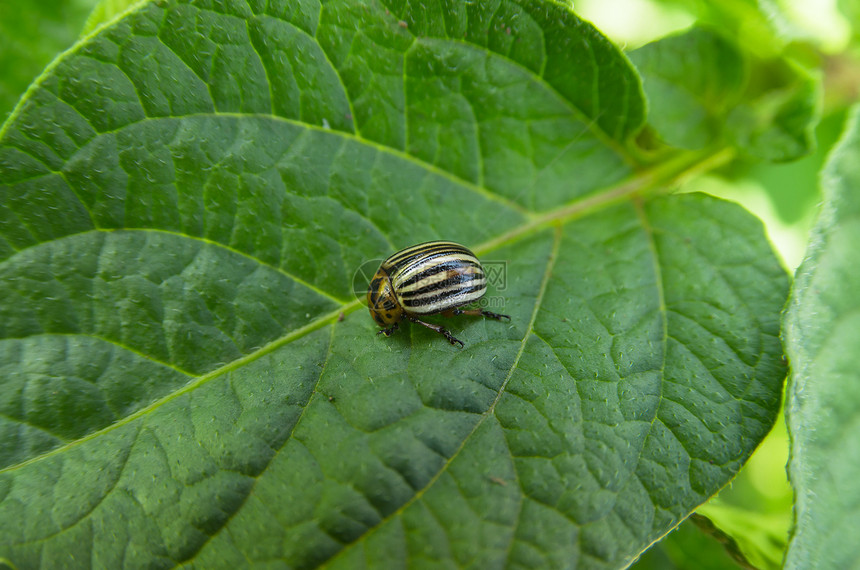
x: 427, y: 279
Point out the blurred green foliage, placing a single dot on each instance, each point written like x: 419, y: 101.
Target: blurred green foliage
x: 31, y: 35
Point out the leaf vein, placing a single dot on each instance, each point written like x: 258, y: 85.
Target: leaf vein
x: 444, y: 469
x: 312, y: 393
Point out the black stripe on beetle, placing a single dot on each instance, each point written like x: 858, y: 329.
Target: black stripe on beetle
x: 476, y: 292
x: 427, y: 279
x: 438, y: 282
x: 441, y: 286
x: 420, y: 277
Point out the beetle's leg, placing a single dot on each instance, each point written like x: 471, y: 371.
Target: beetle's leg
x: 389, y: 330
x: 441, y: 330
x: 481, y: 313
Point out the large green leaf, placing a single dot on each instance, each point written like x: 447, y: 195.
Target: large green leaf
x: 822, y: 332
x: 189, y: 378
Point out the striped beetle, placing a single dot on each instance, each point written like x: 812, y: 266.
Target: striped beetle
x: 427, y: 279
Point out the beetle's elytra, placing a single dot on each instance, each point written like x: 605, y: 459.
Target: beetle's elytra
x: 427, y: 279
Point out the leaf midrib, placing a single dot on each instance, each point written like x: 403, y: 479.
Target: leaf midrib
x: 487, y: 413
x: 238, y: 363
x: 658, y: 176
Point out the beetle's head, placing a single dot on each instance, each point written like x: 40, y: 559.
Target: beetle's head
x: 381, y: 300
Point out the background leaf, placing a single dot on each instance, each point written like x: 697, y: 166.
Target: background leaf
x: 692, y: 80
x: 777, y: 124
x: 696, y: 543
x: 186, y: 198
x: 104, y: 11
x: 755, y: 539
x: 821, y: 335
x: 702, y: 90
x: 31, y: 34
x: 760, y: 26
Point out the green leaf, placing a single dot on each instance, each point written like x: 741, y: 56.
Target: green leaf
x: 31, y: 35
x: 777, y: 120
x: 755, y: 510
x: 695, y: 544
x: 691, y: 80
x: 189, y: 378
x: 759, y: 26
x: 702, y: 90
x: 105, y: 11
x: 792, y: 188
x: 750, y: 535
x: 822, y: 330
